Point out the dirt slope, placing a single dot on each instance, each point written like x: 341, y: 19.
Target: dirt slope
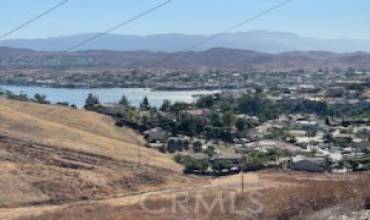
x: 77, y: 130
x: 56, y: 155
x: 60, y: 163
x: 268, y: 195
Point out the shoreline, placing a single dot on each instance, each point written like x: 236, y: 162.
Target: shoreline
x: 89, y: 88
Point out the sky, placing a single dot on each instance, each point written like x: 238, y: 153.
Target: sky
x: 312, y: 18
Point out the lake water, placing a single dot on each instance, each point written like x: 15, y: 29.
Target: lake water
x: 135, y: 95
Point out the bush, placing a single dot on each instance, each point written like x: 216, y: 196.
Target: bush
x: 92, y: 103
x: 192, y: 165
x: 220, y: 165
x: 182, y: 159
x: 41, y: 99
x: 21, y: 97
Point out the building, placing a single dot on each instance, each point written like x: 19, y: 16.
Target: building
x: 177, y: 144
x: 198, y: 112
x: 197, y: 147
x: 156, y: 135
x: 301, y: 163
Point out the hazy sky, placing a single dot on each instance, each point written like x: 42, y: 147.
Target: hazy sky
x: 317, y: 18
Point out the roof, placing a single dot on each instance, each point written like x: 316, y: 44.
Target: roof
x: 198, y: 112
x: 271, y: 144
x: 156, y: 133
x: 304, y: 158
x: 178, y: 139
x: 228, y: 157
x: 199, y: 156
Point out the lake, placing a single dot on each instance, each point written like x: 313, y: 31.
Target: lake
x: 134, y: 95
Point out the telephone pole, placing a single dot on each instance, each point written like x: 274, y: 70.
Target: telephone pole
x: 243, y: 167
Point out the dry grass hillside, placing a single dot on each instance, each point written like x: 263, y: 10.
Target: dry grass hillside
x: 77, y: 130
x: 270, y: 195
x: 56, y: 155
x: 61, y: 163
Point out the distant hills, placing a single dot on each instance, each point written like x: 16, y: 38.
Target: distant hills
x: 262, y: 41
x: 212, y: 59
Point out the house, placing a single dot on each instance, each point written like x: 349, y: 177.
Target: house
x: 198, y: 112
x: 253, y: 119
x: 177, y: 144
x: 169, y: 115
x: 156, y: 135
x: 156, y: 145
x: 234, y: 160
x: 197, y: 147
x: 301, y: 163
x: 343, y: 139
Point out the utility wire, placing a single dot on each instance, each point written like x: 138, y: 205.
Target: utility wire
x: 212, y: 37
x: 149, y: 11
x: 33, y: 19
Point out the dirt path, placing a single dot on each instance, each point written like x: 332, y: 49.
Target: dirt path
x: 252, y: 182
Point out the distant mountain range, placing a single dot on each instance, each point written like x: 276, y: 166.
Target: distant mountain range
x: 262, y: 41
x: 212, y: 59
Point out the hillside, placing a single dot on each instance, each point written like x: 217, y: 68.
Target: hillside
x: 75, y: 129
x: 61, y: 163
x: 55, y: 155
x: 213, y: 59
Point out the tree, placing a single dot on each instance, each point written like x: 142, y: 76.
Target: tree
x: 220, y: 165
x: 166, y: 106
x: 179, y: 106
x: 124, y: 101
x: 228, y: 118
x: 145, y: 120
x: 327, y: 163
x: 145, y: 104
x: 216, y: 119
x: 212, y: 132
x: 274, y: 155
x: 328, y: 138
x: 41, y: 99
x: 240, y: 124
x: 91, y: 102
x: 21, y: 97
x: 196, y: 165
x: 256, y: 105
x: 210, y: 151
x: 206, y: 101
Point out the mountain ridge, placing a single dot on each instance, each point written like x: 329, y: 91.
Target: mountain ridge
x: 263, y: 41
x: 212, y: 59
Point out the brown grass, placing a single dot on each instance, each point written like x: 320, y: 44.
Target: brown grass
x: 76, y: 129
x: 57, y: 155
x: 288, y: 202
x: 78, y: 165
x: 40, y: 174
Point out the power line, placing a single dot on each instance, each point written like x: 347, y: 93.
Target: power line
x: 33, y: 19
x: 117, y: 26
x: 212, y: 37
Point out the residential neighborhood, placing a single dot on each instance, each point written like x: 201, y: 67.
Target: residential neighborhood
x: 299, y: 123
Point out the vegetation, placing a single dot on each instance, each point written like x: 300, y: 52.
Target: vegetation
x: 145, y: 106
x: 41, y: 99
x: 38, y: 98
x: 92, y: 102
x: 124, y: 101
